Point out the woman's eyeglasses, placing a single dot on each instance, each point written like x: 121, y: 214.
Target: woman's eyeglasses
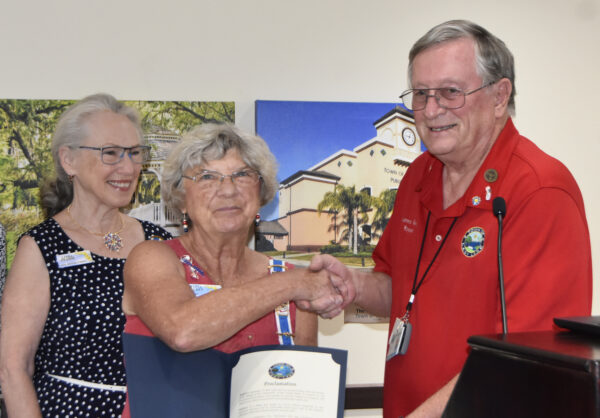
x: 112, y: 155
x: 208, y: 179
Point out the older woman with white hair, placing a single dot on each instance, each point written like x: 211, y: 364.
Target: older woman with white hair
x: 207, y: 288
x: 61, y: 345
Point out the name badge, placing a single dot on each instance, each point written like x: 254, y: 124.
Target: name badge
x: 74, y: 259
x: 203, y: 289
x: 399, y: 339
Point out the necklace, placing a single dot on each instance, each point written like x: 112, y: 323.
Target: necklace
x: 112, y: 240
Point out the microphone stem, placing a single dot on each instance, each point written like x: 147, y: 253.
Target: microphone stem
x: 501, y: 275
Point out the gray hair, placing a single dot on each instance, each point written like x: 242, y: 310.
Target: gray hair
x: 71, y: 130
x: 493, y: 59
x: 209, y: 142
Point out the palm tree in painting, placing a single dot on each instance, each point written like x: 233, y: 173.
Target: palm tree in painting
x: 383, y: 205
x: 352, y: 205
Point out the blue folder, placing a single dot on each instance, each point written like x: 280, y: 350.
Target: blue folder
x: 163, y: 383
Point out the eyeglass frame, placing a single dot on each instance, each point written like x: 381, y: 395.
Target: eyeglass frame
x: 437, y: 97
x: 124, y: 149
x: 222, y: 177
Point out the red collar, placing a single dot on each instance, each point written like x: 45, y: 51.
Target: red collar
x: 490, y: 175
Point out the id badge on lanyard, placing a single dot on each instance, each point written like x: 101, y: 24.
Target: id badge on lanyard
x: 402, y: 329
x: 399, y: 338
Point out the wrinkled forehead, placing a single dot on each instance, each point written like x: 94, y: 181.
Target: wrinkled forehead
x: 217, y: 159
x: 108, y: 128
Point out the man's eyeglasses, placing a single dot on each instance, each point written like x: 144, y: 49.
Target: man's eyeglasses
x: 112, y: 155
x: 446, y: 97
x: 210, y: 180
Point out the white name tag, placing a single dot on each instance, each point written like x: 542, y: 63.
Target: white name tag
x: 74, y: 259
x: 203, y: 289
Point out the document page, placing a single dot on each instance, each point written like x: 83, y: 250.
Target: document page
x: 285, y: 384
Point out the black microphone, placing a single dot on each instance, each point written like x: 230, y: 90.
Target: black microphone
x: 499, y: 209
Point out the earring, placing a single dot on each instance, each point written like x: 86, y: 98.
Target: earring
x: 71, y: 178
x: 257, y: 220
x: 185, y: 223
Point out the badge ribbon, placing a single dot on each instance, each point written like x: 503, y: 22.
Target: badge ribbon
x: 282, y: 312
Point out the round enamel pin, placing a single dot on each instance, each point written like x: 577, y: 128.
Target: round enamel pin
x: 472, y: 241
x: 490, y: 175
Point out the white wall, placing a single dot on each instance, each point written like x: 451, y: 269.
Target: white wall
x: 329, y: 50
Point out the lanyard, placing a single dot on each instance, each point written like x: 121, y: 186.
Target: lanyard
x: 417, y: 285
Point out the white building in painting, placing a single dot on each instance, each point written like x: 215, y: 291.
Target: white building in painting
x: 373, y: 166
x: 161, y: 141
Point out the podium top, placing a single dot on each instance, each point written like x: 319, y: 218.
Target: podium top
x: 543, y: 374
x: 586, y: 324
x: 562, y: 348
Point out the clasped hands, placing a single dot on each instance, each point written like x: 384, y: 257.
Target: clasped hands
x: 329, y: 296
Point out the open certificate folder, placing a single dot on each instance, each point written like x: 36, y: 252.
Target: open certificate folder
x: 266, y: 381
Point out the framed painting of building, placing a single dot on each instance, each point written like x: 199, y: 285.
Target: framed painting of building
x: 330, y: 154
x: 340, y: 165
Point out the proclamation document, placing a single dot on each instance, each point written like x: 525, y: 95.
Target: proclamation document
x: 286, y: 384
x: 265, y: 381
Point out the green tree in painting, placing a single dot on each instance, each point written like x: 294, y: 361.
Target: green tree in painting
x: 178, y: 117
x: 26, y: 128
x: 148, y: 189
x: 352, y: 205
x: 383, y: 205
x: 175, y: 117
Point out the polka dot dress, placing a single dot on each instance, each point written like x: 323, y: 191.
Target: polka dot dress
x: 82, y: 335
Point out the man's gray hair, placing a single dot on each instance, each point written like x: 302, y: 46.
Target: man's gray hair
x: 493, y: 59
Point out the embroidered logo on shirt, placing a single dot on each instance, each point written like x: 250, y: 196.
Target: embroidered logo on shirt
x: 472, y: 241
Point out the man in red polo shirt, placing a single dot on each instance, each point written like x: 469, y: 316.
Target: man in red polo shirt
x: 436, y: 269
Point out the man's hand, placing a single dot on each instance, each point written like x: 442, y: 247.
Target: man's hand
x: 341, y: 279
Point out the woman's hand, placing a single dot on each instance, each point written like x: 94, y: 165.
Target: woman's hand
x: 336, y: 293
x: 370, y: 290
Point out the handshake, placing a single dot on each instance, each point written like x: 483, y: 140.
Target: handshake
x: 328, y: 287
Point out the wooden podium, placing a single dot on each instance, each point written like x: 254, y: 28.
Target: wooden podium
x: 536, y: 374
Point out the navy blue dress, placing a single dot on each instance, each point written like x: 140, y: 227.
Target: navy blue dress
x: 82, y: 337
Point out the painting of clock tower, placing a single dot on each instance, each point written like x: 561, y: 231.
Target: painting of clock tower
x: 373, y: 167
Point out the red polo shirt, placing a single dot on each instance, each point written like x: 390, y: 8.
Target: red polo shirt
x: 546, y: 259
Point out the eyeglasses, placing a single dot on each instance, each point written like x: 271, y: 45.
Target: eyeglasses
x: 446, y: 97
x: 210, y: 180
x: 113, y: 155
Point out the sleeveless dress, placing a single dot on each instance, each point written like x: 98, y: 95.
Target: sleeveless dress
x: 82, y: 337
x: 263, y: 331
